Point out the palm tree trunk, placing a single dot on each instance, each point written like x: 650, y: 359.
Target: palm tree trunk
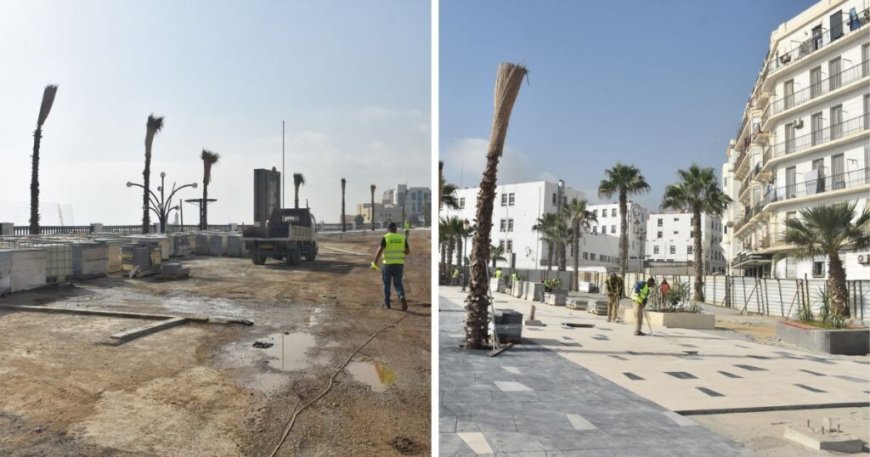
x: 698, y: 247
x: 296, y: 195
x: 343, y: 229
x: 204, y: 210
x: 146, y: 182
x: 837, y: 285
x: 623, y: 233
x: 550, y: 251
x: 563, y: 260
x: 451, y: 246
x: 34, y: 183
x: 459, y: 256
x: 373, y: 210
x: 575, y: 251
x: 507, y: 87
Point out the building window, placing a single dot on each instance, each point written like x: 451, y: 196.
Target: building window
x: 501, y: 245
x: 604, y: 213
x: 612, y: 229
x: 595, y: 230
x: 462, y: 203
x: 834, y: 80
x: 836, y: 122
x: 818, y: 269
x: 592, y: 256
x: 554, y: 198
x: 655, y: 249
x: 585, y: 255
x: 689, y: 250
x: 510, y: 246
x: 502, y: 225
x: 660, y: 221
x: 612, y: 212
x: 865, y: 60
x: 788, y: 94
x: 815, y: 82
x: 676, y: 232
x: 595, y: 212
x: 511, y: 199
x: 692, y: 234
x: 659, y: 235
x: 673, y: 249
x: 503, y: 199
x: 510, y: 225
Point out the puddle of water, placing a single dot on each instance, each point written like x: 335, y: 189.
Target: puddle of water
x: 374, y: 375
x: 314, y: 318
x: 289, y: 351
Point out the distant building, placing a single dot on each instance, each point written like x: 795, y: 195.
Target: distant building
x: 519, y: 206
x: 382, y: 213
x: 414, y: 200
x: 803, y: 140
x: 670, y: 240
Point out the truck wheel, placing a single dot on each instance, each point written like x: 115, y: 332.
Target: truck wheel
x: 311, y: 253
x: 294, y: 257
x: 258, y: 259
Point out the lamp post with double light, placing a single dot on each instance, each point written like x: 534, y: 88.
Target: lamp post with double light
x: 162, y: 205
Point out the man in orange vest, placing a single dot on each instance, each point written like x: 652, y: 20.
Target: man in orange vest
x: 394, y: 247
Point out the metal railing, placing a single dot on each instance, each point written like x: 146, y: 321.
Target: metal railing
x: 823, y: 184
x: 822, y: 87
x: 816, y: 42
x: 24, y: 230
x: 821, y: 136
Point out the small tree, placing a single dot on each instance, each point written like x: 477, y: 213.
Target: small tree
x: 47, y: 102
x: 152, y: 128
x: 827, y: 230
x: 298, y: 180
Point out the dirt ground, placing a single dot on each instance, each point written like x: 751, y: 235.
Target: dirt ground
x: 203, y: 389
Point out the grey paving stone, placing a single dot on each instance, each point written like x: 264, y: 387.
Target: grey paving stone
x: 450, y: 445
x: 447, y: 424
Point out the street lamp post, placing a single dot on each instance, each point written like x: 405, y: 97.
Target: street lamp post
x: 162, y: 205
x: 465, y: 225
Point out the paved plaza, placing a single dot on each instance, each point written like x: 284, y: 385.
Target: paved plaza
x: 602, y: 391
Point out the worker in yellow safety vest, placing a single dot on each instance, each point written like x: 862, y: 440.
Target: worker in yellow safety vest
x: 498, y: 274
x: 394, y: 247
x: 639, y: 295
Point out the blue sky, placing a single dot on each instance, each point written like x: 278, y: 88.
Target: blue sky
x: 659, y: 84
x: 351, y: 79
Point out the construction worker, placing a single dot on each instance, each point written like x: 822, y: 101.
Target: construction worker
x: 407, y: 226
x: 614, y: 286
x: 455, y: 278
x: 394, y: 247
x: 498, y: 274
x: 639, y: 295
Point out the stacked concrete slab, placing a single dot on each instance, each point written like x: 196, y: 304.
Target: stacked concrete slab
x: 182, y: 244
x: 161, y: 241
x: 22, y: 269
x: 113, y: 252
x: 201, y: 245
x: 90, y: 259
x: 236, y: 246
x: 217, y: 245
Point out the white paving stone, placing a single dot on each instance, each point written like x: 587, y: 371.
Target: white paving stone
x: 579, y: 423
x: 511, y: 386
x: 476, y: 441
x: 682, y: 421
x: 512, y: 370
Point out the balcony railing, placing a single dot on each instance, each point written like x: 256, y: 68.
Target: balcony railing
x: 819, y: 41
x: 822, y: 87
x: 823, y: 184
x: 821, y: 136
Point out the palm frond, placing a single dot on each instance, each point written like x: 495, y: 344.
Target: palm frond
x: 47, y: 102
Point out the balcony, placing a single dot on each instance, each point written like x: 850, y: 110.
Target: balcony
x: 822, y: 136
x: 818, y: 41
x: 824, y: 184
x: 822, y: 87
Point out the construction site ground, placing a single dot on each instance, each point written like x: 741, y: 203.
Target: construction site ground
x: 66, y: 388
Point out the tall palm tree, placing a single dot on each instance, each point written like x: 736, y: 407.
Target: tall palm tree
x: 507, y: 86
x: 152, y: 128
x: 298, y: 180
x: 827, y: 230
x: 372, y: 188
x: 697, y: 192
x: 443, y: 239
x: 496, y: 254
x: 208, y: 159
x: 47, y: 102
x: 546, y: 226
x: 343, y: 184
x: 453, y: 229
x: 578, y: 218
x: 622, y: 180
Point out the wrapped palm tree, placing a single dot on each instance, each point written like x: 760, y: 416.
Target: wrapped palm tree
x: 208, y: 160
x: 697, y: 192
x: 47, y: 102
x: 827, y: 230
x: 623, y: 180
x: 298, y: 180
x: 507, y: 87
x: 372, y: 188
x: 343, y: 184
x: 152, y: 128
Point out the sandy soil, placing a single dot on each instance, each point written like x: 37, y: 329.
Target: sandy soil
x: 202, y: 389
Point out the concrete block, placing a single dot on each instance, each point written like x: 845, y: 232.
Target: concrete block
x: 834, y: 341
x: 555, y: 299
x: 236, y: 246
x: 7, y: 229
x: 201, y: 244
x: 113, y: 253
x: 597, y: 307
x: 96, y: 227
x: 154, y: 327
x: 90, y: 260
x: 27, y: 268
x: 536, y: 291
x: 697, y: 321
x: 832, y: 441
x: 217, y: 245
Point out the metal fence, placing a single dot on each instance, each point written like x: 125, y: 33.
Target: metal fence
x: 768, y: 296
x: 23, y: 230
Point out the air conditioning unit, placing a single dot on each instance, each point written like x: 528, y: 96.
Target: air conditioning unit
x: 798, y: 124
x: 864, y: 259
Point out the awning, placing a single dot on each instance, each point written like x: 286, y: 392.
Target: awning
x: 752, y: 260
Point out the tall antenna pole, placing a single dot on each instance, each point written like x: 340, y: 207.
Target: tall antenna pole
x: 282, y: 164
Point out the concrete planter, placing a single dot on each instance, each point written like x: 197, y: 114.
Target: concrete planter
x: 676, y: 320
x: 535, y: 291
x: 834, y: 341
x: 556, y: 298
x: 518, y: 289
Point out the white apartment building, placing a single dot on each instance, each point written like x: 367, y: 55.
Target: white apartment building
x: 414, y: 200
x: 803, y: 139
x: 518, y: 208
x: 670, y: 239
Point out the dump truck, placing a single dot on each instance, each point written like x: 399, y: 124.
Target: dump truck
x: 289, y: 234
